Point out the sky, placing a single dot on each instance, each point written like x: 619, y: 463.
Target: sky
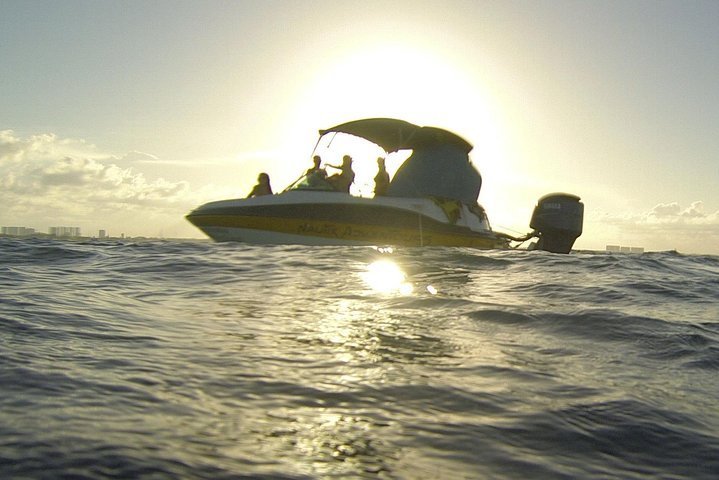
x: 124, y: 116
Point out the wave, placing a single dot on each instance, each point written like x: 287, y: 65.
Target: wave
x: 202, y: 360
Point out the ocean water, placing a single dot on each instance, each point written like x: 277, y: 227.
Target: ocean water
x: 196, y: 360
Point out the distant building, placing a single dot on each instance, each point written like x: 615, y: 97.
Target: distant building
x: 621, y: 249
x: 64, y: 231
x: 102, y: 234
x: 17, y: 231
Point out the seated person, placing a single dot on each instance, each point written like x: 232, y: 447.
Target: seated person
x: 316, y: 168
x: 381, y: 180
x: 316, y: 175
x: 342, y: 181
x: 263, y: 186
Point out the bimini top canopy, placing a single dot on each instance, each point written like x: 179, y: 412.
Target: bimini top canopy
x: 392, y: 134
x: 438, y: 167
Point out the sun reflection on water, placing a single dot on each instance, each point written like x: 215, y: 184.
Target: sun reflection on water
x: 385, y: 276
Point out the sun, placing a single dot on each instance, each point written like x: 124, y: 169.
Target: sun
x: 396, y: 80
x: 401, y: 80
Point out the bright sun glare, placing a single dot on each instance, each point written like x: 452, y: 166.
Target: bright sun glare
x: 406, y: 82
x: 386, y: 277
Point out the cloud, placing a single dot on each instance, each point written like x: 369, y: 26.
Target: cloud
x: 665, y: 210
x: 47, y: 180
x: 668, y: 216
x: 44, y: 166
x: 138, y: 157
x: 673, y: 213
x: 667, y: 226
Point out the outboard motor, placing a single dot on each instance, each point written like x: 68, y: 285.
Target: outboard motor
x: 557, y: 219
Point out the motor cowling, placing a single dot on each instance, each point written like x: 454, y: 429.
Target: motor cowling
x: 558, y: 220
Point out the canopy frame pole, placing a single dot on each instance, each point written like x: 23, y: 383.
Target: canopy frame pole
x: 314, y: 151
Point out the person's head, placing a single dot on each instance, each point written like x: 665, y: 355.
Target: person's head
x: 263, y: 178
x: 346, y: 160
x: 317, y: 161
x: 380, y: 162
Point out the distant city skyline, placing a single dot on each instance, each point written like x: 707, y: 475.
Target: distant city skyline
x: 56, y: 231
x: 17, y: 231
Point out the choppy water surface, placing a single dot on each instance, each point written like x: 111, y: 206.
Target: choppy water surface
x: 198, y: 360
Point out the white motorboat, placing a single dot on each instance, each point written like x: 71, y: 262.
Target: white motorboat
x: 431, y: 200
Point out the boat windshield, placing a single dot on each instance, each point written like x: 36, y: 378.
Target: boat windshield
x: 311, y: 182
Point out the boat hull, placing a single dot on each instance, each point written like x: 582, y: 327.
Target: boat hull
x: 315, y: 218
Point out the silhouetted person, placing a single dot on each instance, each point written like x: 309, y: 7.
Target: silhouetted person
x: 342, y: 181
x: 316, y: 176
x: 316, y: 168
x: 263, y: 186
x: 381, y: 180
